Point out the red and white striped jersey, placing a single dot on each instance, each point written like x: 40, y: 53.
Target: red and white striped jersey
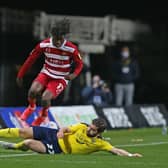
x: 57, y: 59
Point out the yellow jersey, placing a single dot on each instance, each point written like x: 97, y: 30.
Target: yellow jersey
x: 77, y: 141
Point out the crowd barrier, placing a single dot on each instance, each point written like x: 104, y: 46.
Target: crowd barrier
x: 135, y: 116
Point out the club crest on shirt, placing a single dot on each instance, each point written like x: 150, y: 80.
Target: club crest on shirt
x: 63, y: 53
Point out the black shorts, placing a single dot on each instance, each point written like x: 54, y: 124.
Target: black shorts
x: 48, y: 137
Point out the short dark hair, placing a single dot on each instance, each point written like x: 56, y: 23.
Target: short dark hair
x: 100, y: 123
x: 61, y: 28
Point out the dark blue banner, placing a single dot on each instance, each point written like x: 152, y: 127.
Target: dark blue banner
x: 134, y: 116
x: 10, y: 116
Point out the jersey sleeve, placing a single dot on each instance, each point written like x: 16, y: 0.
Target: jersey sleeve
x: 35, y: 53
x: 78, y: 62
x: 105, y: 146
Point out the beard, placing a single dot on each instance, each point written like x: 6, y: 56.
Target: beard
x: 90, y: 134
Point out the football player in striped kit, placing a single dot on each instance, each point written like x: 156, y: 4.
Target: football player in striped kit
x: 56, y: 71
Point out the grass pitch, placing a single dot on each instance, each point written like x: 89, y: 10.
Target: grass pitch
x: 147, y: 141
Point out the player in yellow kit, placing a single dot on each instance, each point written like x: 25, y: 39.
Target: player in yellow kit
x: 75, y: 139
x: 82, y: 138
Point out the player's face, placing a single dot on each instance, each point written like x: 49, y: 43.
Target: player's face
x: 57, y: 41
x: 92, y: 131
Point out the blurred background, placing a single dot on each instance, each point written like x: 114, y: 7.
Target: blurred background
x: 101, y: 29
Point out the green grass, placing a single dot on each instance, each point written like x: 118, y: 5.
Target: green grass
x: 134, y: 140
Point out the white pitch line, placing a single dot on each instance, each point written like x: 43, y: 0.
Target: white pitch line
x: 143, y: 144
x: 126, y: 145
x: 15, y: 155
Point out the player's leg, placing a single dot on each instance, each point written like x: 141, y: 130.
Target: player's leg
x: 15, y: 146
x: 32, y: 104
x: 47, y: 139
x: 28, y: 134
x: 53, y: 89
x: 43, y: 113
x: 9, y: 132
x: 35, y: 90
x: 17, y: 132
x: 41, y: 141
x: 25, y: 145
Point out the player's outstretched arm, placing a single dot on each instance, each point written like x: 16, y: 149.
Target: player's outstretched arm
x: 122, y: 152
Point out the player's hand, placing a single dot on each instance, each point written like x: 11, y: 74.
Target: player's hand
x: 60, y: 134
x: 19, y: 82
x: 70, y: 76
x: 136, y: 155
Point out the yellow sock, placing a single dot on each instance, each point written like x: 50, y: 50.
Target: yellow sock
x: 21, y: 146
x: 9, y: 132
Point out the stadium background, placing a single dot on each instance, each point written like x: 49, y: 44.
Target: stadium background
x: 152, y: 51
x: 152, y: 89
